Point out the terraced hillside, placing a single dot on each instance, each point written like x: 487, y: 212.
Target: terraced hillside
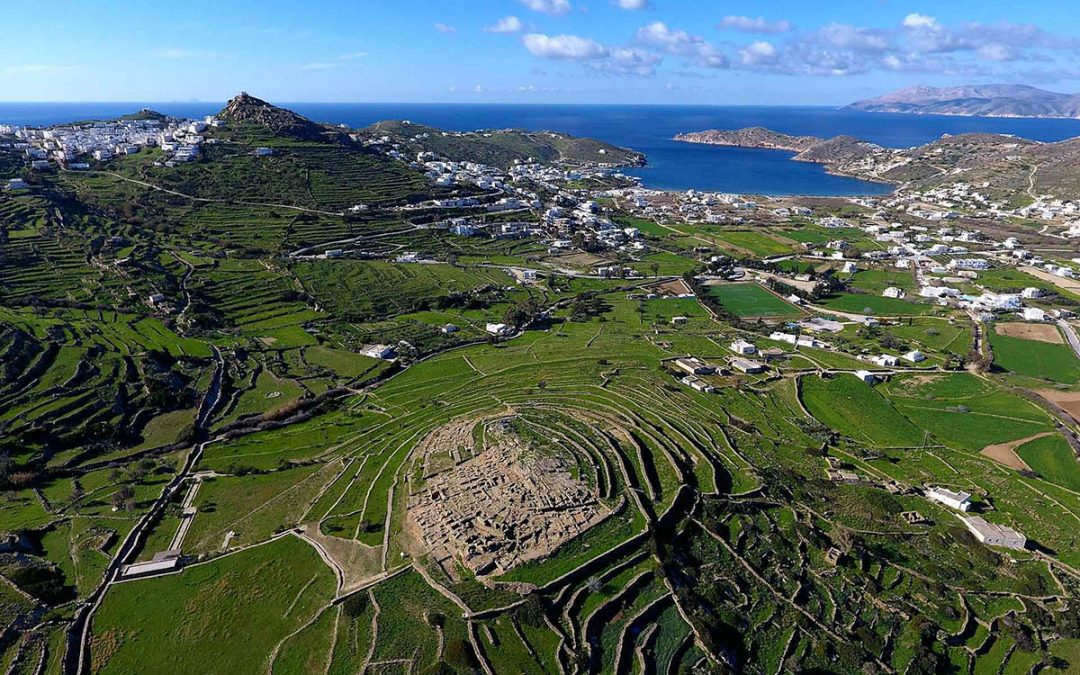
x: 246, y: 428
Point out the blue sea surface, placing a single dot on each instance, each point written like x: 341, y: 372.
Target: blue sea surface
x: 645, y: 128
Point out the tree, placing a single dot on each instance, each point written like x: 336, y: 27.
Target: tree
x: 522, y: 313
x: 655, y: 268
x: 124, y: 498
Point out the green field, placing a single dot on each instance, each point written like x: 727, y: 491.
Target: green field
x: 858, y: 411
x: 1052, y: 458
x: 751, y: 300
x: 1032, y: 358
x: 863, y: 303
x: 283, y: 583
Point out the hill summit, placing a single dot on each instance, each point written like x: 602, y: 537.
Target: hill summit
x: 279, y: 121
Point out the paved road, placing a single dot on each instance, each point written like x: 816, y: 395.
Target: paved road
x: 1070, y: 335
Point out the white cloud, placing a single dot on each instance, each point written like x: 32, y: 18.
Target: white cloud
x: 916, y: 20
x: 548, y: 6
x: 352, y: 56
x: 759, y: 24
x: 563, y: 47
x: 681, y: 43
x: 445, y: 28
x: 996, y: 52
x: 757, y: 53
x: 631, y: 61
x: 598, y: 57
x: 632, y: 4
x: 845, y: 36
x: 509, y: 24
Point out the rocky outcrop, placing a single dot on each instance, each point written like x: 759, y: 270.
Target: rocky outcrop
x: 245, y: 108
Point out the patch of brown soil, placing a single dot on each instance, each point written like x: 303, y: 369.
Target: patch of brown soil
x: 357, y: 561
x: 674, y: 287
x: 1005, y: 453
x: 1069, y: 401
x: 1043, y: 332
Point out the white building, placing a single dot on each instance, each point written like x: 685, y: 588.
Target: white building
x: 498, y: 329
x: 893, y: 292
x: 384, y: 352
x: 993, y: 534
x: 1033, y: 314
x: 915, y: 356
x: 885, y: 360
x: 866, y: 376
x: 743, y: 347
x: 961, y: 501
x: 698, y: 384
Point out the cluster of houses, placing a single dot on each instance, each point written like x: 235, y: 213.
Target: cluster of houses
x: 75, y: 146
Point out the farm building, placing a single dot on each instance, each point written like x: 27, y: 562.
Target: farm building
x: 748, y: 366
x: 163, y: 561
x: 915, y: 356
x: 678, y: 320
x: 498, y: 329
x: 698, y: 384
x: 384, y: 352
x: 866, y: 376
x: 842, y: 476
x: 885, y: 360
x: 961, y: 501
x: 992, y: 534
x: 893, y: 292
x: 449, y: 328
x: 694, y: 366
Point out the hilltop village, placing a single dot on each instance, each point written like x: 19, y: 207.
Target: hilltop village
x: 415, y: 400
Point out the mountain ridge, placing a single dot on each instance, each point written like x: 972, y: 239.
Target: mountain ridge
x: 989, y: 100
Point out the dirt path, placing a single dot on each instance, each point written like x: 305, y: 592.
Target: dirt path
x: 1005, y: 453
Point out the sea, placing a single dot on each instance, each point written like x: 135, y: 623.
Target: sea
x: 646, y: 128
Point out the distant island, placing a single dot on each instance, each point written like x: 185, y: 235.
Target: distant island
x: 989, y: 100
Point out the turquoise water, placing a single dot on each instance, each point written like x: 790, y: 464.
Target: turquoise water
x: 648, y: 129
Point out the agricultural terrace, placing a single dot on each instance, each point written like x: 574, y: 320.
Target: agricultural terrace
x: 593, y: 401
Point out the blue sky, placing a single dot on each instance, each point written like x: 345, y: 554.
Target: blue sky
x: 530, y: 51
